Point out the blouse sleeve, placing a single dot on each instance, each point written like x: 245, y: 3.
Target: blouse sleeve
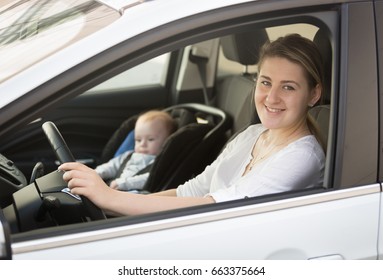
x: 296, y: 167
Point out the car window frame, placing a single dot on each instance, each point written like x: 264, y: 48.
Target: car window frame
x: 379, y: 32
x: 354, y: 59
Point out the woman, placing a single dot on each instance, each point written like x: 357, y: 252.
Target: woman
x: 280, y: 154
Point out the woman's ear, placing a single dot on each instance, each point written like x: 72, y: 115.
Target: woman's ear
x: 316, y: 94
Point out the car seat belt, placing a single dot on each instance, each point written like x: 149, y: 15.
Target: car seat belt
x: 201, y: 63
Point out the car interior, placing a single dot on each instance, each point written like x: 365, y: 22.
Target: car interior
x: 223, y: 107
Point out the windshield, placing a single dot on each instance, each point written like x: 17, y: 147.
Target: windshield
x: 30, y: 30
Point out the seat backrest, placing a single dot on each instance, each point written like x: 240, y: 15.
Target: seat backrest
x: 321, y: 115
x: 235, y: 92
x: 188, y: 150
x: 117, y: 139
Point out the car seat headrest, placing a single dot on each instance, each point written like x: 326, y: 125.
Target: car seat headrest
x: 244, y: 47
x: 182, y: 116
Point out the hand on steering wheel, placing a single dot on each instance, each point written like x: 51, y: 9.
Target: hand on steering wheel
x: 63, y: 154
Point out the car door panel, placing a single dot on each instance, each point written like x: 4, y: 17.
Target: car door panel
x: 341, y: 224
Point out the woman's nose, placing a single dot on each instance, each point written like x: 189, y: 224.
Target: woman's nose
x: 273, y: 95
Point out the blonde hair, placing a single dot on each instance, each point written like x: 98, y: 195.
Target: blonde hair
x: 166, y: 118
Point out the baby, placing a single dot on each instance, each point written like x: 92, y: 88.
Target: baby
x: 151, y: 131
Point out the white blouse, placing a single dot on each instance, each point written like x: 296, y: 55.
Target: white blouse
x: 297, y: 166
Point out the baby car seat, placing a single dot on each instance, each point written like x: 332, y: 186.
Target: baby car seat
x: 202, y: 132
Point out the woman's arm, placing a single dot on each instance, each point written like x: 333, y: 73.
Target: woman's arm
x: 83, y: 180
x: 171, y: 192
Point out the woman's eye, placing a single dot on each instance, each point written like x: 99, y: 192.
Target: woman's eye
x: 289, y: 88
x: 265, y: 83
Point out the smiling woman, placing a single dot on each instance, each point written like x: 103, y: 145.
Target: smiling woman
x: 31, y: 30
x: 255, y: 162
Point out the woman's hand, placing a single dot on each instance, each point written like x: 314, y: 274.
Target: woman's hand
x: 83, y: 180
x: 113, y: 185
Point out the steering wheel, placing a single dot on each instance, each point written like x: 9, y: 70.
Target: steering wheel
x: 63, y: 154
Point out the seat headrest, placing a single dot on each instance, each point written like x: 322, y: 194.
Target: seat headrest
x: 182, y: 117
x: 244, y: 47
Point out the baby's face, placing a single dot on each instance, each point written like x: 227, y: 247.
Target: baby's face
x: 149, y: 136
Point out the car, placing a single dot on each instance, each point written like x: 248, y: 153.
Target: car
x: 73, y: 71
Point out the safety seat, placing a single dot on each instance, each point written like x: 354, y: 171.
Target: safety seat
x: 117, y: 143
x: 195, y: 144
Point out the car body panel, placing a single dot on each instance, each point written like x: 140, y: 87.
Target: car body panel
x: 320, y: 219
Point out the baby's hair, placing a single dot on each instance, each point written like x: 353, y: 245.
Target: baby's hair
x: 167, y: 119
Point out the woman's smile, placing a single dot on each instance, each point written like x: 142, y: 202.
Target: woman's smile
x: 274, y: 110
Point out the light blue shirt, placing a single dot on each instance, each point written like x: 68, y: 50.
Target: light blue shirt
x: 128, y: 180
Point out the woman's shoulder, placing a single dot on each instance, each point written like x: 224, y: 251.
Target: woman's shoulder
x: 248, y: 134
x: 252, y: 130
x: 308, y: 145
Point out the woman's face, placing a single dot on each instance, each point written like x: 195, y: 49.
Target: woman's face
x: 282, y: 94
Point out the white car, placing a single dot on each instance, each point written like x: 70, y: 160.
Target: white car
x: 87, y: 66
